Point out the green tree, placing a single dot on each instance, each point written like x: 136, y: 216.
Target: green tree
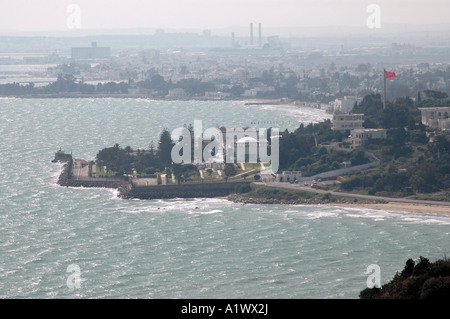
x: 229, y: 170
x: 408, y: 270
x: 358, y: 157
x: 165, y: 146
x: 243, y: 188
x: 177, y: 170
x: 237, y: 90
x: 426, y: 178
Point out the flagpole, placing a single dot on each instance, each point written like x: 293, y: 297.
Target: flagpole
x: 384, y: 88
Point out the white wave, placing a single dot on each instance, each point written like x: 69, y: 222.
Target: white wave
x: 55, y: 172
x: 9, y: 98
x: 196, y: 203
x: 115, y: 193
x: 192, y: 206
x: 214, y: 211
x: 443, y: 221
x: 38, y: 194
x: 406, y: 217
x: 149, y: 209
x: 294, y: 113
x: 317, y: 215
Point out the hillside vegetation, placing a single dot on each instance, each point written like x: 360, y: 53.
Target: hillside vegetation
x: 424, y: 280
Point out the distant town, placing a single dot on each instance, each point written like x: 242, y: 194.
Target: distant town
x: 256, y: 66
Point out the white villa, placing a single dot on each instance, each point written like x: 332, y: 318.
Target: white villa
x: 289, y: 176
x: 436, y: 117
x: 359, y: 137
x: 344, y: 122
x: 177, y: 93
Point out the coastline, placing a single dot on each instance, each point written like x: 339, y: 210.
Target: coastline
x: 68, y: 95
x: 239, y: 199
x: 247, y: 100
x: 175, y: 191
x: 236, y: 198
x: 395, y: 206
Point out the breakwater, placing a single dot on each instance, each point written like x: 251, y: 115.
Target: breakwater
x: 255, y: 198
x: 127, y: 191
x: 67, y: 179
x: 236, y: 198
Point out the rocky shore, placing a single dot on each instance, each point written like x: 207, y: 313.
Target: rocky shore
x: 236, y: 198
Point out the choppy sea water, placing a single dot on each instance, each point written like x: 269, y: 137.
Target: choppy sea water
x: 198, y: 248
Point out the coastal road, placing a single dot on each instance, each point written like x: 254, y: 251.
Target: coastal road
x: 370, y: 197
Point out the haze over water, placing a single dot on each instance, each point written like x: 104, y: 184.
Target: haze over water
x: 199, y: 248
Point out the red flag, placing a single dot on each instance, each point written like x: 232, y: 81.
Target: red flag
x: 388, y: 75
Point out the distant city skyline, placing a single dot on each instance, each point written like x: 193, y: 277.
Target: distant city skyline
x: 60, y: 15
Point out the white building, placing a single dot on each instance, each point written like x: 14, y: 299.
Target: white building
x: 91, y: 53
x: 359, y: 137
x: 144, y: 181
x: 177, y: 93
x: 253, y: 92
x: 289, y: 176
x: 336, y: 146
x: 216, y: 95
x: 344, y: 122
x: 436, y: 117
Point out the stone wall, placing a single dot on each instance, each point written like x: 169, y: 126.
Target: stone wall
x: 207, y: 190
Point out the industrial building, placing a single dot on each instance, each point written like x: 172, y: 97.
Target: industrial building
x: 91, y: 53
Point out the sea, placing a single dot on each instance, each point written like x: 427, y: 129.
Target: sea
x: 63, y: 242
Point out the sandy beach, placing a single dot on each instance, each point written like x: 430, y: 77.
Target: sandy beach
x: 408, y: 207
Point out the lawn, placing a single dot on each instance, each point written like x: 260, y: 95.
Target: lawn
x: 100, y: 172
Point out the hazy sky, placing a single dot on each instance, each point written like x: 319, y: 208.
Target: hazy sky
x: 43, y: 15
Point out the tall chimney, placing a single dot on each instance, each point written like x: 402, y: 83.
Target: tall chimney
x: 251, y: 33
x: 260, y: 35
x: 232, y: 39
